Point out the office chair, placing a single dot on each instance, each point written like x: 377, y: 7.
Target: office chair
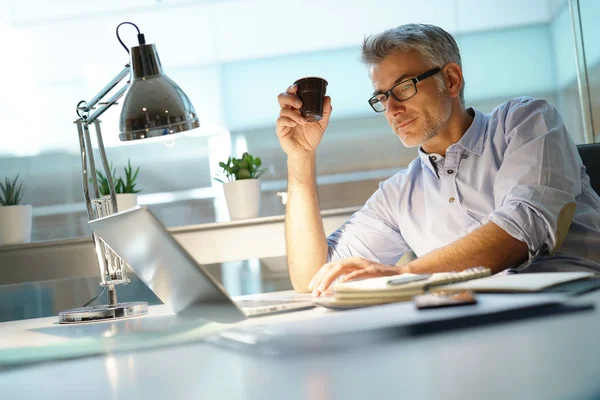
x: 590, y: 156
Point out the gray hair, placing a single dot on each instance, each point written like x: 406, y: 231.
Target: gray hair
x: 436, y: 45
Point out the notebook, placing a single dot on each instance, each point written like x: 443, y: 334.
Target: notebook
x: 390, y: 289
x: 520, y: 283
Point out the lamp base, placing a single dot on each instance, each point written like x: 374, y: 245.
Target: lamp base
x: 103, y: 312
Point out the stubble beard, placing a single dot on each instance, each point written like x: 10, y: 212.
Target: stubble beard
x: 432, y: 124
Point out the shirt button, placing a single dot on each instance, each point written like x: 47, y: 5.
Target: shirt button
x: 451, y: 199
x: 450, y: 171
x: 433, y: 158
x: 464, y: 156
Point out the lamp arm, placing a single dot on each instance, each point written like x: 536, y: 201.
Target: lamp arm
x: 91, y: 162
x: 84, y: 170
x: 112, y: 101
x: 108, y: 87
x: 111, y: 184
x: 86, y: 148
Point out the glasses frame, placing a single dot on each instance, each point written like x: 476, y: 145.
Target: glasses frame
x: 390, y: 93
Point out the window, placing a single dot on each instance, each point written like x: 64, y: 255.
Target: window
x: 232, y: 68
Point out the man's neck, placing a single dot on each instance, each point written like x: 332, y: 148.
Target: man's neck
x: 460, y: 120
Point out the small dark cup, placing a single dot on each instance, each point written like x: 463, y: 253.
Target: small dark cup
x: 311, y: 91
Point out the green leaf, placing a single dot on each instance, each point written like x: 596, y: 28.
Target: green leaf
x: 103, y: 186
x: 136, y: 174
x: 245, y: 167
x: 12, y: 192
x: 126, y: 185
x: 260, y: 172
x: 19, y: 194
x: 244, y: 174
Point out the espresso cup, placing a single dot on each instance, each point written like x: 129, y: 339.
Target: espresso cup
x: 311, y: 91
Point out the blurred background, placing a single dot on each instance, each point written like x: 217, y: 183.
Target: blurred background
x: 232, y: 58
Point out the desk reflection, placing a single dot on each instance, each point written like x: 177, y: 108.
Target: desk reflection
x: 48, y: 298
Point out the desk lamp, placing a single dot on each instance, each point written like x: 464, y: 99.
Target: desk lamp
x: 153, y: 107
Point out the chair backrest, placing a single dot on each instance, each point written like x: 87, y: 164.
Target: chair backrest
x: 590, y: 155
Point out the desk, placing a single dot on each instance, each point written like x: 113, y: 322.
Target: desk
x: 544, y: 358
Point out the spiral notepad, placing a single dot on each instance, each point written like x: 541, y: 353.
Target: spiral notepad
x: 379, y: 290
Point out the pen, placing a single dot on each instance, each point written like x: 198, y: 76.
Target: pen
x: 407, y: 279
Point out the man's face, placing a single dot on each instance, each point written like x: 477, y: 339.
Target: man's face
x: 421, y: 117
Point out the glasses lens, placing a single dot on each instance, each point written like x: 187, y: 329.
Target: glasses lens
x: 378, y: 102
x: 404, y: 90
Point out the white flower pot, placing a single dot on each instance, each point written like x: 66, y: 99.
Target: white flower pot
x: 243, y: 198
x: 15, y: 224
x: 126, y: 200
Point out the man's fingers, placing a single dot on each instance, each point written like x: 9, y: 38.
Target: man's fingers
x: 333, y: 274
x: 331, y: 271
x: 320, y: 280
x: 293, y: 115
x: 328, y: 292
x: 363, y: 273
x: 319, y: 274
x: 371, y: 272
x: 327, y: 110
x: 284, y: 126
x: 327, y: 105
x: 311, y: 284
x: 288, y: 100
x: 323, y: 272
x: 316, y: 280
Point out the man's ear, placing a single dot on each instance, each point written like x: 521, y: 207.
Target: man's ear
x: 454, y: 78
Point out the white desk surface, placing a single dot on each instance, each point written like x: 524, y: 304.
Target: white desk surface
x: 42, y: 331
x: 544, y: 358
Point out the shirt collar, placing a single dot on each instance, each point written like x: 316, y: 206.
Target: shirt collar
x: 473, y: 139
x: 429, y: 159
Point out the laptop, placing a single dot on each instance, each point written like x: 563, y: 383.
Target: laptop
x: 180, y: 282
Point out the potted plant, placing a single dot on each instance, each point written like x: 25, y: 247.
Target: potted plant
x: 15, y: 217
x: 124, y: 188
x: 241, y: 185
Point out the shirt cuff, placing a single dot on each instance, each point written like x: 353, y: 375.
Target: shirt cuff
x: 522, y: 223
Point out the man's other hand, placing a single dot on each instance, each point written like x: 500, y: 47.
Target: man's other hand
x: 296, y: 135
x: 351, y: 268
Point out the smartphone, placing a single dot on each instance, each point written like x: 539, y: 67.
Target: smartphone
x: 444, y: 299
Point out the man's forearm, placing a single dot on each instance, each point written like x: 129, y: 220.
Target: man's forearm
x: 306, y: 244
x: 488, y: 246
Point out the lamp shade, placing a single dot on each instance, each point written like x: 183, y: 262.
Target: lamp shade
x: 154, y: 105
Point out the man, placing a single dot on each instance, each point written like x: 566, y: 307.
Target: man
x: 502, y: 190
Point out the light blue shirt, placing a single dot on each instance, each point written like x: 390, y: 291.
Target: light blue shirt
x: 517, y: 167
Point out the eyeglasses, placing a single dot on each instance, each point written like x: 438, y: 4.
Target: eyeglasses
x: 400, y: 91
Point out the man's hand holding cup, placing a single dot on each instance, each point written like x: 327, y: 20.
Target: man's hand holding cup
x: 304, y: 115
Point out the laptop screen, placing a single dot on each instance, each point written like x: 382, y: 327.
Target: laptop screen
x: 156, y: 257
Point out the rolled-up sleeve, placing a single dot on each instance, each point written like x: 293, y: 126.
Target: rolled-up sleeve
x: 539, y: 175
x: 371, y: 232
